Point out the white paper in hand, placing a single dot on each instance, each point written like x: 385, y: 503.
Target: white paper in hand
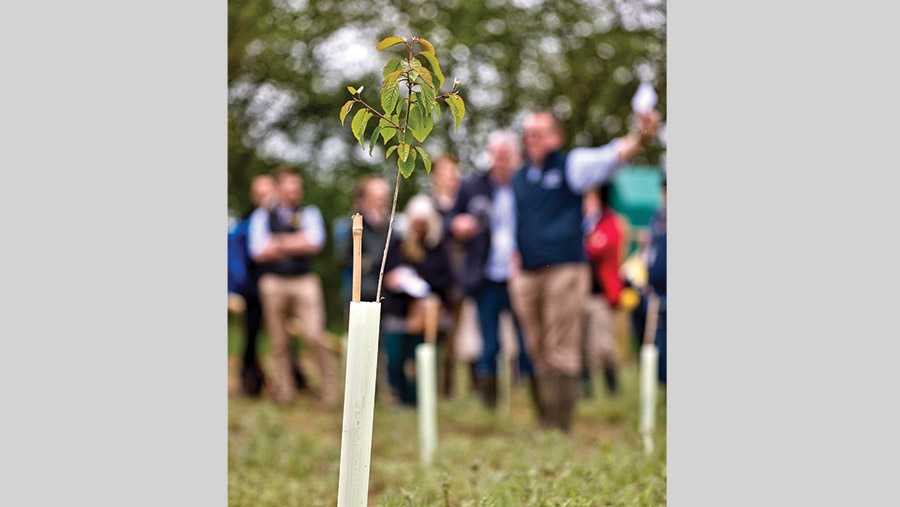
x: 644, y: 99
x: 411, y: 283
x: 416, y: 287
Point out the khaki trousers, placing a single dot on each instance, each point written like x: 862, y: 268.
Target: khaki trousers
x: 599, y: 327
x: 549, y: 303
x: 300, y: 296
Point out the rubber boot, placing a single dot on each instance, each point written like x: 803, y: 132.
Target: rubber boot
x: 548, y: 397
x: 567, y: 397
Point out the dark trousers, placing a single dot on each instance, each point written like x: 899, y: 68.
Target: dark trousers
x: 252, y: 323
x: 401, y: 347
x: 493, y: 298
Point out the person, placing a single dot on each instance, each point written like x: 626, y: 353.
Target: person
x: 603, y: 245
x: 416, y: 265
x: 262, y: 195
x: 371, y: 199
x: 553, y: 279
x: 483, y: 218
x: 283, y: 241
x: 445, y: 181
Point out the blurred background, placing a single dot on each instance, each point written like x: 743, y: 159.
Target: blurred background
x: 290, y: 61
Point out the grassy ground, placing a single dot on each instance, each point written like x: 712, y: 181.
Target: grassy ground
x: 290, y: 455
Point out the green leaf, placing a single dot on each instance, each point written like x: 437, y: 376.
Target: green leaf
x: 393, y: 78
x: 457, y: 109
x: 389, y: 96
x: 424, y: 74
x: 403, y: 152
x: 427, y: 97
x: 358, y: 125
x: 352, y: 90
x: 420, y: 120
x: 346, y: 109
x: 407, y: 166
x: 390, y: 150
x: 374, y: 138
x: 393, y: 65
x: 435, y: 69
x: 388, y: 42
x: 426, y: 160
x: 427, y: 45
x: 387, y: 131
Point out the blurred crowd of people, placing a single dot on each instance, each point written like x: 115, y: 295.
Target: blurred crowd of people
x: 534, y: 237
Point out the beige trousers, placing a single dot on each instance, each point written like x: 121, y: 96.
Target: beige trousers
x: 300, y: 296
x: 549, y: 303
x: 599, y: 328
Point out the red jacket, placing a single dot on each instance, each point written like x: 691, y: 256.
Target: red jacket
x: 604, y: 245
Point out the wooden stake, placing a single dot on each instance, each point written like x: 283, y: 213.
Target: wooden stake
x: 432, y: 314
x: 357, y: 255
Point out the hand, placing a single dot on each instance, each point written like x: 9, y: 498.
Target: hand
x: 392, y: 280
x: 515, y: 265
x: 648, y: 124
x: 464, y: 227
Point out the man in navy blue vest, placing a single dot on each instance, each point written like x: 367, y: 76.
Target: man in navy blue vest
x: 282, y: 242
x: 554, y: 279
x: 484, y: 218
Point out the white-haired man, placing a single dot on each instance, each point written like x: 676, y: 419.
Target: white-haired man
x: 484, y: 218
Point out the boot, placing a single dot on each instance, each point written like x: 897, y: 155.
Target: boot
x: 611, y: 374
x: 547, y: 397
x: 252, y: 379
x: 487, y: 385
x: 299, y: 378
x: 567, y: 397
x: 535, y: 397
x: 587, y: 383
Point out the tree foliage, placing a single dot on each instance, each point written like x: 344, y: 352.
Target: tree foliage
x: 414, y: 115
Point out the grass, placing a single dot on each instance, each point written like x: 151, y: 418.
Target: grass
x: 283, y: 456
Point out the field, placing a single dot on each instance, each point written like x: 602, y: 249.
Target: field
x: 282, y: 456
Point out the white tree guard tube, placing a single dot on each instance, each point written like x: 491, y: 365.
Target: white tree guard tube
x: 649, y: 365
x: 359, y: 403
x: 426, y: 394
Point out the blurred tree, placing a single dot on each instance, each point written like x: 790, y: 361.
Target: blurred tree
x: 288, y: 70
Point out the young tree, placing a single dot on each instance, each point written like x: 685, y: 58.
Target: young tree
x: 413, y: 112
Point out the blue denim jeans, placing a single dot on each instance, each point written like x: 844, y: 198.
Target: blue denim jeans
x: 492, y: 299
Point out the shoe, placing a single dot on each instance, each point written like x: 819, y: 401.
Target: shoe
x: 611, y: 374
x: 252, y: 380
